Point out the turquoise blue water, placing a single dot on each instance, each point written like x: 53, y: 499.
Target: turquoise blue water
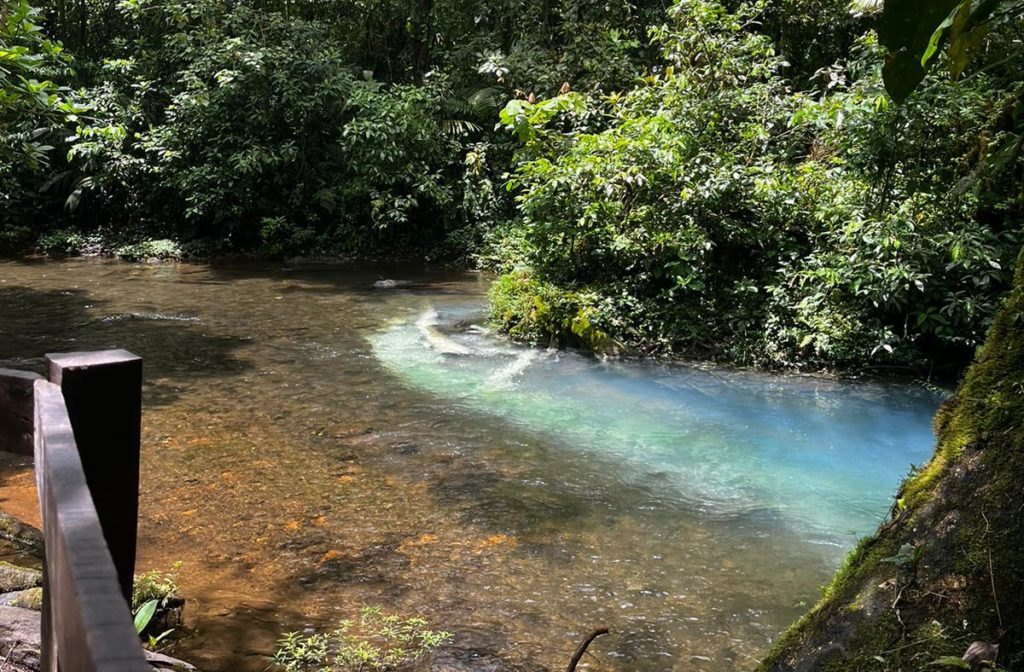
x: 820, y: 457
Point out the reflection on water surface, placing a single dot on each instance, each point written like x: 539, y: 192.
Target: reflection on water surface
x: 314, y: 443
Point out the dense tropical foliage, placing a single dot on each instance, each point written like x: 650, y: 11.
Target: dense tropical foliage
x: 725, y: 210
x: 758, y: 181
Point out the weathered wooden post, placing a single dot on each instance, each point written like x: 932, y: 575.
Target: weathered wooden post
x: 16, y: 411
x: 86, y: 622
x: 103, y: 394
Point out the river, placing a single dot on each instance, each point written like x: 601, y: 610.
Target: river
x: 313, y: 443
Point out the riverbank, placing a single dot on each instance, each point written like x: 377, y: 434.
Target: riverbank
x: 64, y: 243
x: 560, y: 326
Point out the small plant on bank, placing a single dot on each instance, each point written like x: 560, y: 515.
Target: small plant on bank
x: 377, y: 641
x: 155, y: 585
x: 150, y: 249
x: 67, y: 242
x: 155, y: 604
x: 143, y: 617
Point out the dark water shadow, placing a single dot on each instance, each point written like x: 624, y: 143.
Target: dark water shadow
x: 239, y: 636
x: 172, y: 346
x: 355, y: 279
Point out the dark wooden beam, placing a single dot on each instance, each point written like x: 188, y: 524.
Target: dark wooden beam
x: 86, y: 621
x: 103, y: 394
x: 16, y: 411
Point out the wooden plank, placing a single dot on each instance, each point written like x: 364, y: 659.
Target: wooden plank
x: 16, y: 411
x: 87, y: 624
x: 103, y: 394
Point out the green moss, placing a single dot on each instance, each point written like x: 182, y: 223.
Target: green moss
x: 25, y: 536
x: 530, y: 310
x: 915, y: 489
x: 29, y: 599
x: 14, y: 578
x: 841, y: 593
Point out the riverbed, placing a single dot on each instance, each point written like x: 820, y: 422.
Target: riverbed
x: 316, y: 440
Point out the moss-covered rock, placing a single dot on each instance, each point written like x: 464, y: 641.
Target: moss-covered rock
x: 531, y: 310
x: 947, y: 568
x: 21, y: 534
x: 14, y: 578
x: 31, y: 598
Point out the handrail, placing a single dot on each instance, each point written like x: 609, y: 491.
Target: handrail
x: 86, y: 621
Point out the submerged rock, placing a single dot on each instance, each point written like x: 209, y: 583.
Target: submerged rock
x: 476, y: 650
x: 406, y: 448
x: 391, y: 284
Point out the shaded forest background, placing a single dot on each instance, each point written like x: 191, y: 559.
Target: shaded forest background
x: 727, y: 180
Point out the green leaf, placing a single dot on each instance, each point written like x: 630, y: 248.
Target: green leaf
x: 933, y: 42
x: 144, y: 615
x: 906, y: 29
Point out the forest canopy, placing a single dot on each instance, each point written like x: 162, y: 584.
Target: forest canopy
x: 771, y: 182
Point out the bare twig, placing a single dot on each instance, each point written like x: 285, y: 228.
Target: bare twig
x: 991, y: 572
x: 582, y: 648
x: 905, y: 646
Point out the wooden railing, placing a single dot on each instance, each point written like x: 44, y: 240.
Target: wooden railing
x: 85, y: 430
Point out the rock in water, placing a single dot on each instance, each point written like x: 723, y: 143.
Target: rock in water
x: 25, y: 536
x: 390, y: 284
x: 13, y: 578
x: 25, y: 599
x: 162, y: 663
x: 435, y: 338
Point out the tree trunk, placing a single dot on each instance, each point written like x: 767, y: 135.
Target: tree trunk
x: 422, y: 36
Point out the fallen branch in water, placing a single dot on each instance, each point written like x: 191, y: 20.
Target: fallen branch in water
x: 582, y: 648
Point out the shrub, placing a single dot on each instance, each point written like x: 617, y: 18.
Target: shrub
x: 155, y: 585
x: 378, y: 641
x: 720, y: 213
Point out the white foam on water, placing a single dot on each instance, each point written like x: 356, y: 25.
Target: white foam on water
x: 436, y: 340
x: 505, y: 377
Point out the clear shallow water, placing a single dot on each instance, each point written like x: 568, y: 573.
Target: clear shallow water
x: 309, y: 448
